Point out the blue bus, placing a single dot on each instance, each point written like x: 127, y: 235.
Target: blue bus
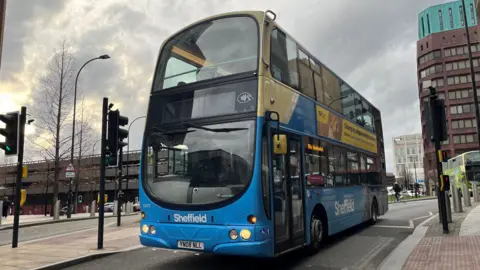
x: 252, y: 146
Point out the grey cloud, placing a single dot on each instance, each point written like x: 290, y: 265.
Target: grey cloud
x: 21, y: 13
x: 368, y: 43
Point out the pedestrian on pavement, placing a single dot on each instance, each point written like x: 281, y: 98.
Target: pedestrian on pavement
x: 6, y: 205
x: 397, y: 189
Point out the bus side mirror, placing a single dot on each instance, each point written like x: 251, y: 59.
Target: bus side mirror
x: 280, y: 144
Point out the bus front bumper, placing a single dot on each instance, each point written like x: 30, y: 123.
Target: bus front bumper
x: 214, y: 239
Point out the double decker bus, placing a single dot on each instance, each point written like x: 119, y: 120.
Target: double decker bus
x: 252, y: 146
x: 463, y: 169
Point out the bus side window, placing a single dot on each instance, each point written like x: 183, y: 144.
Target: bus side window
x: 353, y: 169
x: 363, y: 170
x: 312, y: 163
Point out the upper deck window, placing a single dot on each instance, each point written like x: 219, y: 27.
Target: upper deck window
x: 209, y: 50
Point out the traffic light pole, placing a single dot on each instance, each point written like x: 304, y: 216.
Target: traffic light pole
x: 436, y: 140
x: 18, y: 184
x: 101, y: 208
x: 119, y: 193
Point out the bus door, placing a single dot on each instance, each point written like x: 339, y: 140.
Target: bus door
x: 287, y: 193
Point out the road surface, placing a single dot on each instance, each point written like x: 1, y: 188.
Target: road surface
x: 363, y: 247
x: 47, y: 230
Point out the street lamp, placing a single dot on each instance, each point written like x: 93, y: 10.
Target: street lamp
x: 103, y: 57
x: 128, y: 145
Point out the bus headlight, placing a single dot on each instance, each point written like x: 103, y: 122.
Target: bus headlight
x: 152, y: 230
x: 145, y: 228
x: 252, y: 219
x: 245, y: 234
x: 233, y: 234
x: 142, y: 215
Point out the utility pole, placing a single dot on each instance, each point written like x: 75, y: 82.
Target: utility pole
x: 472, y: 71
x: 120, y: 192
x: 101, y: 208
x: 435, y: 116
x: 18, y: 186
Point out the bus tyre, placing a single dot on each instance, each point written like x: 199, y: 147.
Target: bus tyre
x: 374, y: 213
x: 317, y: 234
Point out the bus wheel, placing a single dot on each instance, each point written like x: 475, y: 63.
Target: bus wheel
x: 317, y: 234
x: 374, y: 213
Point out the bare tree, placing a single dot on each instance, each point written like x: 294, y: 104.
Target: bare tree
x: 407, y: 176
x: 85, y: 143
x: 52, y: 108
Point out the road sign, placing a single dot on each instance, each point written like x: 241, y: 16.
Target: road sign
x: 421, y: 181
x: 70, y: 171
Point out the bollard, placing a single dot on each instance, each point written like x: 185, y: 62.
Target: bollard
x: 115, y: 205
x: 56, y: 210
x: 476, y: 196
x: 131, y: 207
x: 457, y: 200
x: 86, y: 209
x: 466, y: 195
x: 93, y: 208
x: 1, y: 209
x: 448, y: 206
x: 125, y: 208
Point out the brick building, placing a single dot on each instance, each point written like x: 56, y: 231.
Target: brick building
x: 442, y: 59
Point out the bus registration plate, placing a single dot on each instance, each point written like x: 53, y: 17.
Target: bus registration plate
x: 190, y: 245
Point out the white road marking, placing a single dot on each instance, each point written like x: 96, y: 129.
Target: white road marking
x: 393, y: 226
x: 420, y: 217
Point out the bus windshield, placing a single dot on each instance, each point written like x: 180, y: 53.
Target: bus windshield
x: 472, y: 157
x: 198, y: 165
x: 209, y: 50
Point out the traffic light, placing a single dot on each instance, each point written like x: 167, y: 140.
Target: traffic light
x: 10, y: 132
x: 443, y: 155
x: 434, y: 112
x: 116, y: 135
x: 445, y: 184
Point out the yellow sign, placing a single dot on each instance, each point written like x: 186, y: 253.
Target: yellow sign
x: 314, y: 147
x: 334, y: 127
x: 23, y: 196
x: 24, y: 172
x: 105, y: 196
x: 359, y: 137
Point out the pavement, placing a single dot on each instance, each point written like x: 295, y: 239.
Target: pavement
x: 60, y: 251
x: 54, y: 229
x: 429, y: 248
x: 362, y: 247
x: 32, y: 220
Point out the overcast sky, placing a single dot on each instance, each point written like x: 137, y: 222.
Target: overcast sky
x: 369, y: 43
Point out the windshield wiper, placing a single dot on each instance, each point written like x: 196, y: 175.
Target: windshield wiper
x: 212, y: 129
x: 164, y: 132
